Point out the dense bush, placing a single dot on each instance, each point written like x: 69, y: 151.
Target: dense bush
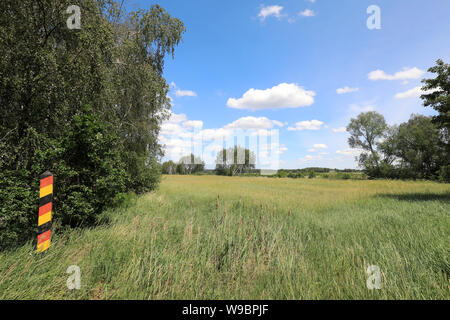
x: 444, y: 174
x: 88, y: 176
x: 48, y: 74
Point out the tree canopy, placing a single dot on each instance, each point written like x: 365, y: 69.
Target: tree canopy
x: 85, y: 104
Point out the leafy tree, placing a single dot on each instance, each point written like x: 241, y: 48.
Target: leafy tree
x: 191, y: 164
x: 235, y: 160
x: 89, y: 175
x: 181, y: 168
x: 439, y: 98
x: 139, y: 90
x: 365, y: 132
x: 169, y: 167
x: 48, y: 73
x: 417, y: 146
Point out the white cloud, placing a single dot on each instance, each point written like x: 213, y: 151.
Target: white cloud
x: 349, y: 152
x: 180, y: 136
x: 264, y: 133
x: 172, y: 125
x: 341, y: 129
x: 413, y: 93
x: 310, y: 158
x: 268, y: 11
x: 405, y: 74
x: 193, y: 123
x: 318, y: 147
x: 356, y: 108
x: 307, y: 125
x: 284, y: 95
x: 253, y: 123
x: 307, y: 13
x: 185, y: 93
x: 214, y: 134
x: 182, y: 93
x: 176, y: 118
x: 346, y: 90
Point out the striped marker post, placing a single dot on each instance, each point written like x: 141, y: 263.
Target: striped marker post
x: 45, y: 211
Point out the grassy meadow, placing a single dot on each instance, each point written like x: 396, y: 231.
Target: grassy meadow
x: 213, y: 237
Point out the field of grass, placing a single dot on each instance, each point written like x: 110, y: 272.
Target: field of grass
x: 211, y: 237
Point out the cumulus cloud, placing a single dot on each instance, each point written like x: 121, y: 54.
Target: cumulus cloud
x: 182, y: 93
x: 310, y: 158
x: 306, y: 125
x: 181, y: 136
x: 193, y: 123
x: 405, y: 74
x: 413, y: 93
x: 318, y: 147
x: 349, y: 152
x: 358, y: 108
x: 307, y: 13
x: 267, y: 11
x: 341, y: 129
x: 185, y: 93
x: 284, y: 95
x: 253, y: 123
x: 346, y: 90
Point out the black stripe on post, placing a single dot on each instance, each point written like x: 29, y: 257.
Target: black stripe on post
x: 44, y: 200
x: 45, y: 227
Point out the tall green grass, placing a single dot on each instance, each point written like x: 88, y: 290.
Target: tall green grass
x: 210, y: 237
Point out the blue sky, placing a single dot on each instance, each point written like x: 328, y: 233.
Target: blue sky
x: 295, y: 55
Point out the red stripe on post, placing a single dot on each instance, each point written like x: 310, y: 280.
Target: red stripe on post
x: 44, y: 237
x: 46, y: 181
x: 45, y: 208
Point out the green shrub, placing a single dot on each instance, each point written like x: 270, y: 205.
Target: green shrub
x: 444, y: 174
x: 88, y: 178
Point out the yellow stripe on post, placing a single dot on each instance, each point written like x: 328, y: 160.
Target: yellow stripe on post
x: 45, y: 211
x: 46, y: 191
x: 45, y: 218
x: 43, y: 246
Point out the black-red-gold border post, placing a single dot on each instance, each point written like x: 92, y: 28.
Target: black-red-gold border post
x: 45, y: 211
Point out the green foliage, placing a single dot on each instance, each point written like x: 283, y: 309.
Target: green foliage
x: 48, y: 74
x: 311, y: 174
x: 343, y: 176
x: 169, y: 167
x: 88, y: 176
x: 235, y: 161
x: 416, y: 149
x: 444, y: 174
x: 416, y: 144
x: 439, y: 97
x: 364, y: 132
x: 191, y: 164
